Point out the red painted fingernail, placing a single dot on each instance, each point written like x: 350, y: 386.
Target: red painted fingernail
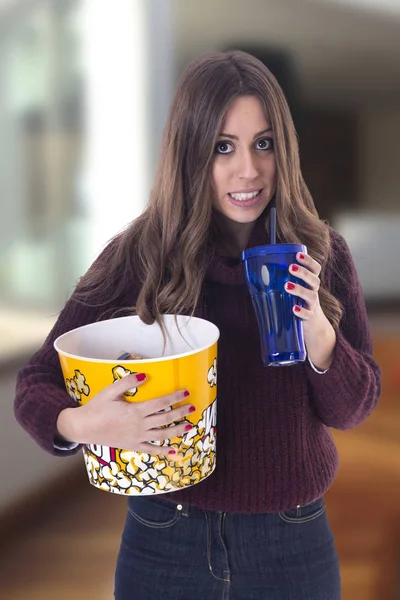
x: 192, y: 409
x: 295, y: 268
x: 186, y: 393
x: 188, y: 427
x: 140, y: 376
x: 297, y: 308
x: 301, y: 256
x: 290, y: 286
x: 172, y: 452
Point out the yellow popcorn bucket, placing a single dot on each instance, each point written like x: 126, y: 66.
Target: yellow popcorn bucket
x: 187, y: 359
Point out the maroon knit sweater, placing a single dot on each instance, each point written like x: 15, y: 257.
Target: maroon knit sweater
x: 274, y: 446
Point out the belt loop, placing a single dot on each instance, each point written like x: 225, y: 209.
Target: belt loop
x: 185, y: 510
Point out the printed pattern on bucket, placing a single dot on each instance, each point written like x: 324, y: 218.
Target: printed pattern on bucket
x: 132, y: 473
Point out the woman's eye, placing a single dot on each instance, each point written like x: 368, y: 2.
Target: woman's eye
x: 223, y: 148
x: 265, y: 144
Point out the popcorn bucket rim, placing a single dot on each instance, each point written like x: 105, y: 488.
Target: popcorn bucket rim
x: 166, y: 317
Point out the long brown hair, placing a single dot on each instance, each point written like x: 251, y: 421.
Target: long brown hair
x: 171, y: 242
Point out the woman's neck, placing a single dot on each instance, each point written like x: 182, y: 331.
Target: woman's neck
x: 232, y: 237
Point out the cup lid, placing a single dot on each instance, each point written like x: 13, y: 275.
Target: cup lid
x: 273, y: 249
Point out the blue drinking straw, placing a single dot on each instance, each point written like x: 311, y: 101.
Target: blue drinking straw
x: 272, y: 224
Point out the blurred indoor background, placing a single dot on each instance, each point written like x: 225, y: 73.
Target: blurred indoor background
x: 85, y: 87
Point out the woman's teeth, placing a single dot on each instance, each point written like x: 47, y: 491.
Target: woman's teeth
x: 241, y: 196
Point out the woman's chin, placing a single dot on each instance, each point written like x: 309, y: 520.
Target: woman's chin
x: 243, y: 214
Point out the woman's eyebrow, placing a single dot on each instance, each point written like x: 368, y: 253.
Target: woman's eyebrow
x: 235, y: 137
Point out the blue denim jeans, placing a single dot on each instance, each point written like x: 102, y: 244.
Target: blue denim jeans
x: 171, y: 551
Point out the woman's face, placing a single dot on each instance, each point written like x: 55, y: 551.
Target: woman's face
x: 244, y: 170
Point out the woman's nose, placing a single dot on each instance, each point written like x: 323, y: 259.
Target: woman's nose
x: 247, y: 166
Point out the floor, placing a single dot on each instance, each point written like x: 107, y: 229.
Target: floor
x: 70, y: 554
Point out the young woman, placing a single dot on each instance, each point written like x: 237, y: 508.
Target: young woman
x: 256, y: 528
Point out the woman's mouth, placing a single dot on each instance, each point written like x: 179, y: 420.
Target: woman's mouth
x: 245, y: 199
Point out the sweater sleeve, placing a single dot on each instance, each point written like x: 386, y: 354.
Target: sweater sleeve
x: 40, y: 390
x: 349, y: 390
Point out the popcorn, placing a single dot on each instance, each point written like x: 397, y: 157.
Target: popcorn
x: 77, y: 386
x: 212, y: 374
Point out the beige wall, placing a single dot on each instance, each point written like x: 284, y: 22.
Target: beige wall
x: 380, y: 158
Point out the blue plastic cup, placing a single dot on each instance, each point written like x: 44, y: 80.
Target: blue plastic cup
x: 281, y: 331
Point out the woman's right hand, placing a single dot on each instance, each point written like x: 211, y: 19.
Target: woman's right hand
x: 109, y: 420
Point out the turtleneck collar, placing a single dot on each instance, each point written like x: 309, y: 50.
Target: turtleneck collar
x: 229, y: 271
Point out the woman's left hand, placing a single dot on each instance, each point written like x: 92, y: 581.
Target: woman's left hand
x: 319, y: 335
x: 309, y: 273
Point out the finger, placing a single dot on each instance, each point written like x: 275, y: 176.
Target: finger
x: 150, y: 407
x: 166, y: 418
x: 159, y: 435
x: 126, y: 383
x: 308, y: 295
x: 154, y: 449
x: 302, y: 313
x: 310, y: 278
x: 309, y: 262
